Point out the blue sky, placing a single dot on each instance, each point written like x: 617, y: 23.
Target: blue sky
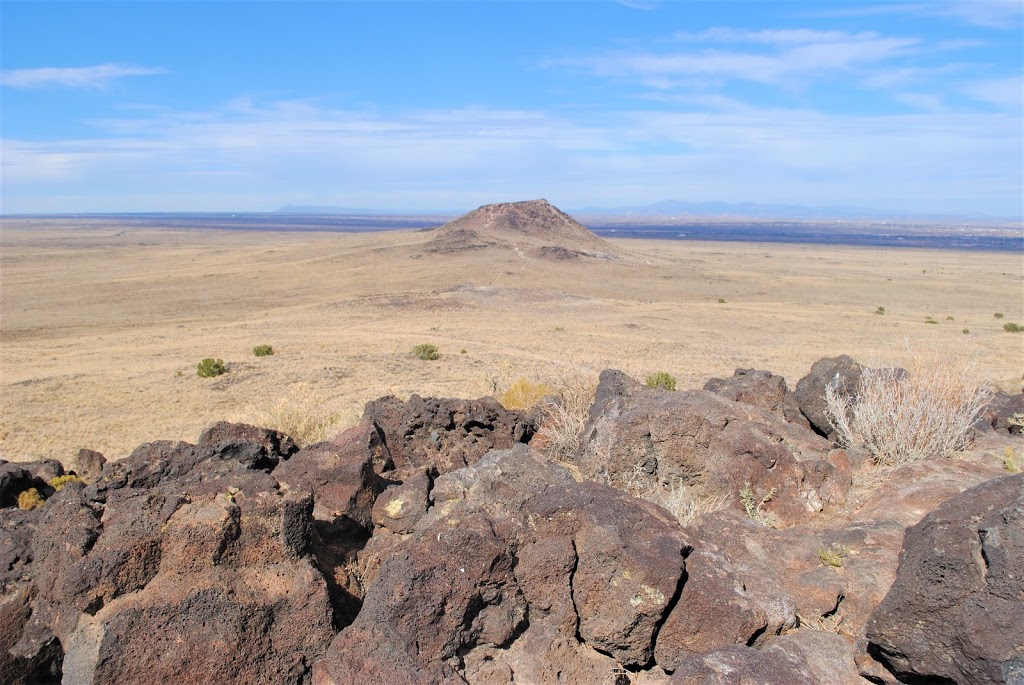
x: 224, y: 106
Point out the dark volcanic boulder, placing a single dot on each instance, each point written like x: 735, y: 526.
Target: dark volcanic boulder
x: 14, y: 480
x: 445, y: 434
x: 88, y: 464
x: 341, y: 474
x: 842, y: 372
x: 235, y: 599
x: 762, y: 389
x: 955, y: 612
x: 257, y: 448
x: 1003, y: 413
x: 800, y: 658
x: 714, y: 446
x: 515, y: 569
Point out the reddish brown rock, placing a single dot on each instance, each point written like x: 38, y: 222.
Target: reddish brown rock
x: 444, y: 434
x: 231, y: 602
x: 762, y: 389
x: 341, y: 474
x: 700, y: 440
x: 841, y: 372
x: 955, y: 612
x: 257, y: 448
x: 88, y: 464
x: 1004, y: 413
x: 401, y: 506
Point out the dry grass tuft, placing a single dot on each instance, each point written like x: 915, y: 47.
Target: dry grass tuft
x: 926, y: 413
x: 524, y: 394
x: 58, y: 482
x: 30, y: 499
x: 302, y: 414
x: 565, y: 417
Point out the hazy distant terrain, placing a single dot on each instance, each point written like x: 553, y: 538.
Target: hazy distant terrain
x: 104, y: 320
x: 948, y: 234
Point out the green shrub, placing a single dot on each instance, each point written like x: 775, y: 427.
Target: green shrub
x: 1013, y: 327
x: 263, y: 350
x: 950, y: 318
x: 930, y: 320
x: 426, y: 351
x: 966, y: 331
x: 210, y: 367
x: 880, y: 310
x: 754, y: 508
x: 661, y: 380
x: 998, y: 315
x: 833, y: 556
x: 721, y: 300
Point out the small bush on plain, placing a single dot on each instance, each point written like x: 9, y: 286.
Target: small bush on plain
x: 662, y: 380
x: 263, y: 350
x: 1013, y: 327
x: 880, y: 310
x: 210, y: 367
x: 426, y: 352
x: 899, y: 417
x: 998, y: 315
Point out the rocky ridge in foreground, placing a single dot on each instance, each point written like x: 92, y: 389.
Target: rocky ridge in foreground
x: 431, y: 544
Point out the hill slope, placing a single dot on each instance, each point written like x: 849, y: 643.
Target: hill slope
x: 536, y: 224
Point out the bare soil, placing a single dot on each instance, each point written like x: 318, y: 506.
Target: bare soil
x: 101, y: 325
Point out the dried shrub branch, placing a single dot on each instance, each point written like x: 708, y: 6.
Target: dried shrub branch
x: 927, y: 412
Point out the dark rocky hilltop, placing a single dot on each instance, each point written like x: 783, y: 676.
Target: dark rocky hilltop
x: 536, y: 226
x: 436, y: 542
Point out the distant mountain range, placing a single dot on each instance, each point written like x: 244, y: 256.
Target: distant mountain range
x: 774, y: 211
x: 676, y: 208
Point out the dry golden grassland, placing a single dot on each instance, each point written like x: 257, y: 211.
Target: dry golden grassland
x: 103, y: 325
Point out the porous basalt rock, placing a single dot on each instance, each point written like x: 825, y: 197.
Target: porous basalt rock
x: 703, y: 441
x: 955, y: 612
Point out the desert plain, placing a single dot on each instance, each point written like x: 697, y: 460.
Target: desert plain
x: 102, y: 323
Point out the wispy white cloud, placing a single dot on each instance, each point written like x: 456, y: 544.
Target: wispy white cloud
x: 255, y: 155
x: 1006, y: 93
x: 781, y: 57
x: 993, y: 14
x: 98, y: 76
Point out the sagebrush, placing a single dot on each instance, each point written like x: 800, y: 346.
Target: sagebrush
x: 210, y: 367
x: 263, y: 350
x: 901, y: 416
x: 426, y: 352
x: 661, y: 379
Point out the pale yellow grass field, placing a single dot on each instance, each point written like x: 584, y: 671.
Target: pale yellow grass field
x: 102, y: 326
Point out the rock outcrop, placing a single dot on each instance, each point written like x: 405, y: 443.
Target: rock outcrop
x: 431, y: 544
x: 955, y: 612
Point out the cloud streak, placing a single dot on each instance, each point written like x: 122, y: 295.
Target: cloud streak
x: 96, y: 77
x: 296, y: 152
x: 776, y: 57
